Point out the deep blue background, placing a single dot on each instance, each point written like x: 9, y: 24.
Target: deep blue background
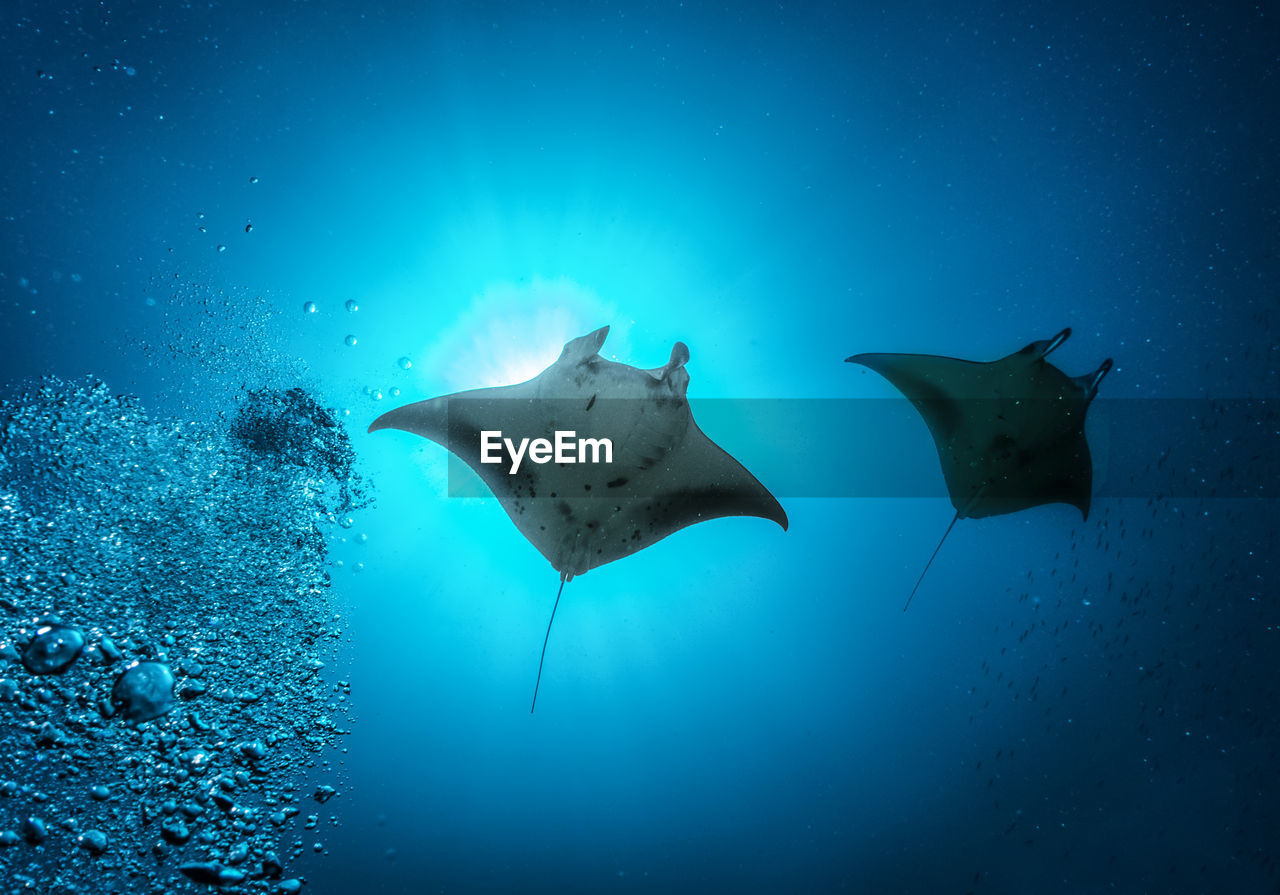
x: 1068, y: 707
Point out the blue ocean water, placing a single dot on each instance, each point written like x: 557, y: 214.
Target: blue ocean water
x: 382, y: 203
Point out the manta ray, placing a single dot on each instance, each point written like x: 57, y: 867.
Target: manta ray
x: 1009, y: 432
x: 660, y: 474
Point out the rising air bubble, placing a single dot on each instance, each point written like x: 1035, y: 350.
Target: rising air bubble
x: 53, y: 650
x: 144, y: 691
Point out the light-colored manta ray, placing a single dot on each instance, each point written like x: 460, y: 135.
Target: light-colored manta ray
x: 1009, y: 433
x: 665, y: 473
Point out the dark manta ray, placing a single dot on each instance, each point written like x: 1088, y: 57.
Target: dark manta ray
x: 664, y: 473
x: 1009, y: 433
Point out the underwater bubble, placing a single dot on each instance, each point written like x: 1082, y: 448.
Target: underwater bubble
x: 395, y: 392
x: 248, y: 228
x: 48, y: 736
x: 109, y: 651
x: 350, y: 340
x: 254, y: 751
x: 92, y: 841
x: 34, y: 830
x: 99, y: 792
x: 404, y: 363
x: 195, y: 758
x: 144, y: 691
x: 222, y: 248
x: 253, y: 179
x: 376, y: 394
x: 310, y: 307
x: 347, y: 521
x: 352, y: 305
x: 53, y: 649
x: 211, y: 873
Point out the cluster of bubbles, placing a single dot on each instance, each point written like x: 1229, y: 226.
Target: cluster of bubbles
x: 220, y: 247
x: 310, y: 307
x: 164, y: 622
x: 351, y: 305
x: 376, y: 394
x: 403, y: 363
x: 207, y: 343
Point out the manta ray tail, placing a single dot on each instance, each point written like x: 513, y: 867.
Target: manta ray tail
x: 544, y: 644
x: 954, y: 520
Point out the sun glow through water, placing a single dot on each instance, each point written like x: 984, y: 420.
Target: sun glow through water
x: 511, y: 332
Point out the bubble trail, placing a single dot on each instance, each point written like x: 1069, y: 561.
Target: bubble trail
x: 165, y: 619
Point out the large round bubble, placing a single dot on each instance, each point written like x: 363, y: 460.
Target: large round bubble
x: 53, y: 649
x: 144, y: 691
